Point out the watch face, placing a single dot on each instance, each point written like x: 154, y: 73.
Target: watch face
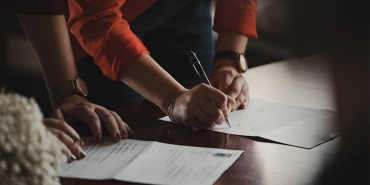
x: 81, y: 86
x: 242, y: 63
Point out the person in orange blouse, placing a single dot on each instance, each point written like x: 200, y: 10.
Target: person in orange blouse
x: 118, y: 35
x: 46, y: 30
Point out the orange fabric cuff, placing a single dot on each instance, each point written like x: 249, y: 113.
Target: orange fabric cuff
x: 103, y: 34
x: 113, y: 59
x: 237, y: 18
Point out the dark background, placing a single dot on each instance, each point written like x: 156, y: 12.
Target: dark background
x: 287, y: 29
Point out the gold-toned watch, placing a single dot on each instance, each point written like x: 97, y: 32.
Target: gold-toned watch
x: 239, y: 58
x: 76, y: 85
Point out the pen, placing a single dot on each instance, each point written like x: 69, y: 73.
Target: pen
x: 200, y: 72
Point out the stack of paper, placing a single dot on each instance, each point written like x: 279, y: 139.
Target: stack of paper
x: 150, y: 162
x: 293, y: 125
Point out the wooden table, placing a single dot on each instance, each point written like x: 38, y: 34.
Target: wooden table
x: 305, y: 82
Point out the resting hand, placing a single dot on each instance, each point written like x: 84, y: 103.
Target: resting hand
x: 67, y: 136
x: 72, y: 108
x: 202, y: 106
x: 228, y: 80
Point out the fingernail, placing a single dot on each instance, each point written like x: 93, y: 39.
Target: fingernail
x: 81, y: 142
x: 82, y: 154
x: 118, y: 135
x: 75, y: 139
x: 124, y: 132
x: 73, y: 157
x: 98, y: 138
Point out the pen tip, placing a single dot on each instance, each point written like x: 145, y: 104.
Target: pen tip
x: 228, y: 123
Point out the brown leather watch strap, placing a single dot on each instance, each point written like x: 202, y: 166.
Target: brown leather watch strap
x: 226, y: 54
x: 239, y: 58
x: 76, y: 85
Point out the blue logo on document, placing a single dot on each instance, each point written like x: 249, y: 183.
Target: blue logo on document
x: 222, y: 155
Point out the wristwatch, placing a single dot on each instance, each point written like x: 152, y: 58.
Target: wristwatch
x: 76, y: 86
x: 239, y: 58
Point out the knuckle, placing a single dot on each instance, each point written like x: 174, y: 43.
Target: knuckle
x: 223, y: 98
x: 83, y: 104
x: 233, y: 103
x: 239, y: 76
x: 113, y: 113
x: 84, y: 107
x: 238, y: 102
x: 203, y: 86
x: 225, y: 87
x: 92, y: 117
x: 234, y: 89
x: 61, y: 123
x: 106, y: 114
x: 75, y: 148
x: 61, y: 136
x: 244, y: 91
x: 58, y: 134
x: 220, y: 115
x: 228, y: 73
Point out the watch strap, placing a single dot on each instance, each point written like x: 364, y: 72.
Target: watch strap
x: 226, y: 54
x: 64, y: 88
x: 241, y: 65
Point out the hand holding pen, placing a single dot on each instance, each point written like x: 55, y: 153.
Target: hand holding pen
x: 201, y: 107
x: 202, y: 75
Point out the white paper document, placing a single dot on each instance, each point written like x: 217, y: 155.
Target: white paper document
x: 293, y: 125
x: 150, y: 162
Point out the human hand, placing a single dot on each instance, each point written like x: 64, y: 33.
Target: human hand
x: 72, y: 108
x: 202, y: 106
x: 228, y: 80
x: 69, y: 138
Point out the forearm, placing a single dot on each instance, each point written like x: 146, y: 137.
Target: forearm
x: 49, y: 38
x: 150, y: 80
x: 228, y: 40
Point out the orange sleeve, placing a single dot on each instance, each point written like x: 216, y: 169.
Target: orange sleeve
x: 104, y: 35
x: 237, y: 16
